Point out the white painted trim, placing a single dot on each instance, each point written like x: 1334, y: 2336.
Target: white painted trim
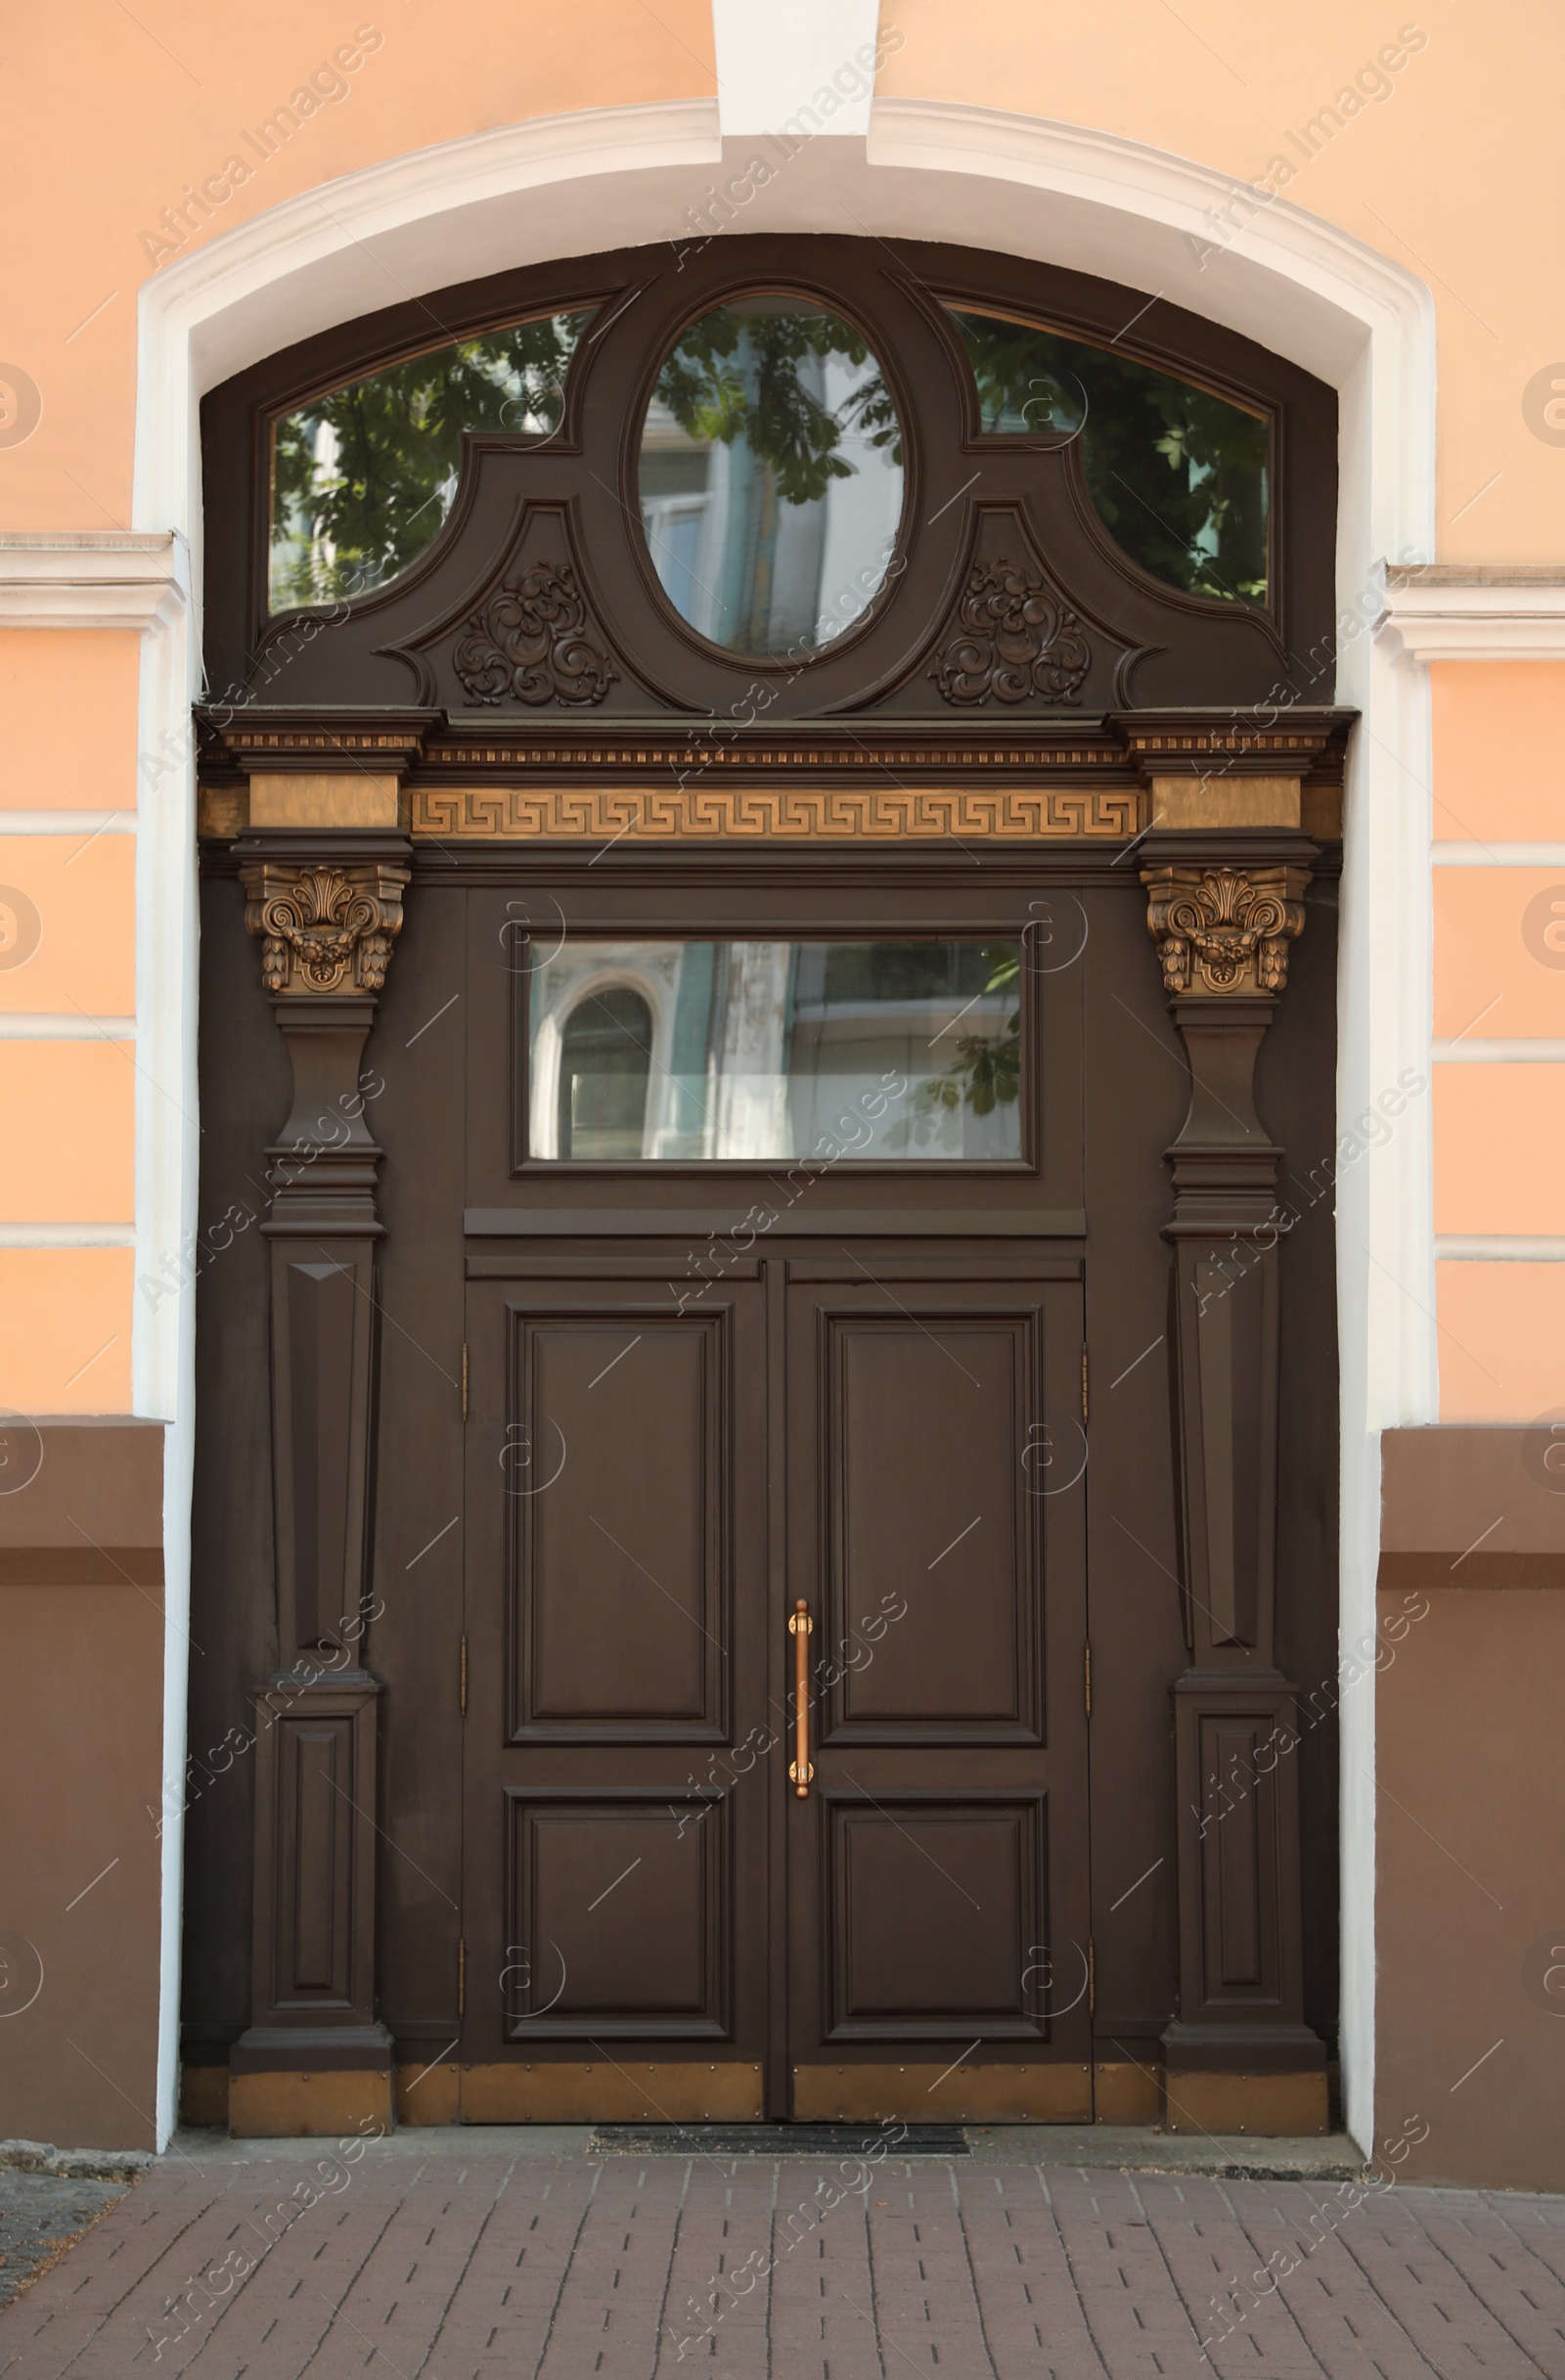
x: 68, y: 822
x: 67, y: 1234
x: 1448, y: 612
x: 1497, y: 855
x: 1497, y: 1248
x: 88, y: 578
x: 73, y: 1025
x: 1520, y: 1051
x: 577, y: 185
x: 774, y: 57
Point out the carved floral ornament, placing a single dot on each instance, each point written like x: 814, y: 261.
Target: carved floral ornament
x: 1225, y: 931
x: 1014, y: 638
x: 324, y: 928
x: 530, y: 641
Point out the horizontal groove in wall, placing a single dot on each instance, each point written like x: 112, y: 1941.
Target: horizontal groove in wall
x: 75, y: 1026
x: 1522, y: 1051
x: 1497, y: 855
x: 1497, y: 1247
x: 67, y: 1234
x: 68, y: 822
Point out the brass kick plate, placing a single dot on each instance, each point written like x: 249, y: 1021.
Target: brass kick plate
x: 598, y: 2092
x: 1031, y: 2094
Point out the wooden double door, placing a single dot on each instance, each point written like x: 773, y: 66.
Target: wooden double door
x: 663, y: 1918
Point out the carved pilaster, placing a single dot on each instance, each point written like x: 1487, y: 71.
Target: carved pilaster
x: 325, y: 908
x: 1223, y: 910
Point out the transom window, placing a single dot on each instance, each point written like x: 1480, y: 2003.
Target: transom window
x: 776, y: 1052
x: 1178, y: 476
x: 770, y: 476
x: 771, y: 460
x: 361, y: 479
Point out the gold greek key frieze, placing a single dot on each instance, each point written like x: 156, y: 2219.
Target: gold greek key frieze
x: 778, y: 812
x: 1225, y: 931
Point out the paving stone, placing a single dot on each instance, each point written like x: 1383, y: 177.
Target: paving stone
x: 614, y: 2266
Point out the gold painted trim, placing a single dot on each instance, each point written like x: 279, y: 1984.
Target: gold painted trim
x: 1279, y: 2106
x: 348, y: 797
x: 1048, y: 2093
x: 601, y: 2092
x: 308, y: 2106
x: 1124, y: 2092
x: 780, y: 813
x: 1225, y: 801
x: 429, y: 2094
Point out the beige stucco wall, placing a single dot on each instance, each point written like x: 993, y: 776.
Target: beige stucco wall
x: 1432, y: 107
x: 1449, y: 173
x: 1443, y: 159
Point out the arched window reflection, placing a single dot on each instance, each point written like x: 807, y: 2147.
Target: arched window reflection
x: 605, y: 1057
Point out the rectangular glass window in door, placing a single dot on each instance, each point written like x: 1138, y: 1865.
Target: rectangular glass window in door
x: 869, y: 1052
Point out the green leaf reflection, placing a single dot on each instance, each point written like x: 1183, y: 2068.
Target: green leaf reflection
x: 363, y: 478
x: 744, y: 373
x: 1178, y: 476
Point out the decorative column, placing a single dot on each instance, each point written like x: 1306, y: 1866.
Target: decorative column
x: 325, y: 907
x: 1223, y: 907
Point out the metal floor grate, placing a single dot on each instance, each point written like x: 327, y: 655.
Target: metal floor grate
x: 778, y: 2140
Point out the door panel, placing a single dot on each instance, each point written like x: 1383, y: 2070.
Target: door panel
x: 937, y: 1868
x: 937, y: 1510
x: 619, y: 1590
x: 592, y: 1874
x: 615, y: 1852
x: 933, y: 1906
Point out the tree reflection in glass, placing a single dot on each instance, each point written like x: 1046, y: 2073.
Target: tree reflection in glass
x: 770, y: 476
x: 776, y: 1052
x: 1178, y: 476
x: 362, y: 479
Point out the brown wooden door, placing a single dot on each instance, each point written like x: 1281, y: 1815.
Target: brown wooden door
x: 615, y: 1856
x: 657, y: 1927
x: 937, y: 1866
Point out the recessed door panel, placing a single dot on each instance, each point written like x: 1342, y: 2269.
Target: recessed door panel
x: 615, y: 1472
x: 933, y: 1907
x: 618, y: 1904
x: 935, y: 1574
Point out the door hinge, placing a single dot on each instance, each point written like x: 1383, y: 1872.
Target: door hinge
x: 1084, y: 1379
x: 1091, y: 1978
x: 463, y: 1379
x: 461, y: 1979
x: 1087, y: 1673
x: 463, y: 1690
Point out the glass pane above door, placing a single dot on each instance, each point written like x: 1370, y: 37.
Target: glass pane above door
x: 867, y: 1052
x: 770, y: 476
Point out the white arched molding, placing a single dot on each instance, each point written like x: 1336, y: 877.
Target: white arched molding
x: 983, y: 178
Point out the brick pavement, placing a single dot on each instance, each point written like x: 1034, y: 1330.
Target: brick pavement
x: 457, y: 2265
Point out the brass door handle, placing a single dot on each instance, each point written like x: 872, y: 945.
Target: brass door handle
x: 799, y: 1628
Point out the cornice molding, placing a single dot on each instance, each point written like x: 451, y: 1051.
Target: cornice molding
x: 92, y: 578
x: 1474, y: 612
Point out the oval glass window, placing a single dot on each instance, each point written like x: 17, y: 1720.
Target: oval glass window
x: 363, y: 477
x: 1178, y: 476
x: 770, y: 476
